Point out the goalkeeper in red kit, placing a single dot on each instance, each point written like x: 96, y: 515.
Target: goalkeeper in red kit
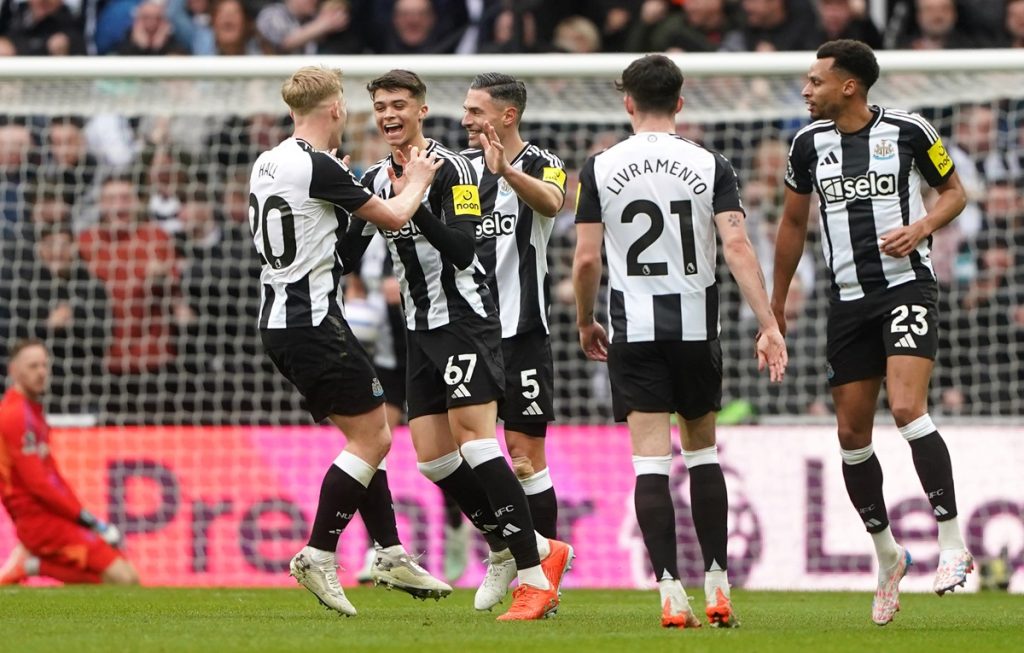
x: 59, y: 538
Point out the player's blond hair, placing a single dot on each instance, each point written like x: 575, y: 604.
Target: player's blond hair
x: 309, y: 86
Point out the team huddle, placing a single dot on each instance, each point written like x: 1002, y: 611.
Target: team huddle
x: 467, y: 233
x: 466, y: 237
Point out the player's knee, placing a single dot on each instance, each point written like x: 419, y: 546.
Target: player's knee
x: 382, y: 441
x: 850, y: 438
x: 904, y: 412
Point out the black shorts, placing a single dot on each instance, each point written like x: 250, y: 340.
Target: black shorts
x: 675, y: 376
x: 393, y: 381
x: 529, y: 382
x: 458, y: 364
x: 327, y: 365
x: 863, y: 333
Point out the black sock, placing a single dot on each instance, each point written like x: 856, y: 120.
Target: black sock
x: 544, y: 510
x: 864, y: 485
x: 934, y: 468
x: 378, y: 511
x: 452, y: 513
x: 511, y: 510
x: 340, y: 496
x: 709, y: 504
x: 657, y: 519
x: 464, y: 487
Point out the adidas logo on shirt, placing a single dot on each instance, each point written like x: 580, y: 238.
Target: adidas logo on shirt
x: 461, y: 392
x: 829, y: 159
x: 907, y: 342
x: 533, y: 409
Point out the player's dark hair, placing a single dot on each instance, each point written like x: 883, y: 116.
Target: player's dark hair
x: 654, y: 82
x: 853, y: 57
x: 23, y: 344
x: 503, y: 88
x: 398, y: 80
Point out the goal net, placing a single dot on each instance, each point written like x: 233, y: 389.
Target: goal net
x: 164, y: 334
x: 185, y: 135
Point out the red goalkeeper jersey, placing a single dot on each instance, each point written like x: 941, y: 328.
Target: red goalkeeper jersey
x: 30, y: 483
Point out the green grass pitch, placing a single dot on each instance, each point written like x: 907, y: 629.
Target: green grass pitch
x: 88, y: 619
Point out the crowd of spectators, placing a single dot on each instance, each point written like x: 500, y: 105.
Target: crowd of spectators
x: 248, y: 27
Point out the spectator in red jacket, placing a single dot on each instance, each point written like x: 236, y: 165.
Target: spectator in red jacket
x: 59, y: 538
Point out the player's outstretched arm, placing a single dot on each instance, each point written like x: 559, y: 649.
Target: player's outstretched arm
x: 952, y: 200
x: 395, y: 212
x: 586, y: 280
x: 353, y: 245
x: 789, y: 247
x: 742, y: 261
x: 544, y: 197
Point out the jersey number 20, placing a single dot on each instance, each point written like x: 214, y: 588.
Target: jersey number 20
x: 274, y: 203
x: 683, y: 209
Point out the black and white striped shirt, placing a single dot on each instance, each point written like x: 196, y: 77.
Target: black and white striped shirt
x: 513, y: 242
x: 657, y: 195
x: 434, y: 292
x: 868, y: 184
x: 300, y: 201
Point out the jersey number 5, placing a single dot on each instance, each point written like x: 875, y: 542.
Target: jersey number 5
x: 274, y: 203
x: 682, y: 209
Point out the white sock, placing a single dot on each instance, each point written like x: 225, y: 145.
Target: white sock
x: 395, y: 549
x: 534, y: 576
x: 950, y: 536
x: 500, y: 556
x: 355, y: 467
x: 717, y: 579
x: 543, y: 546
x: 31, y: 566
x: 886, y: 550
x: 671, y: 588
x: 320, y: 556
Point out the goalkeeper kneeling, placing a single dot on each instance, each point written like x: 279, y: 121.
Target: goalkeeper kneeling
x: 59, y: 538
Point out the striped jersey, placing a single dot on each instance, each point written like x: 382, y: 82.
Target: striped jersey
x: 657, y: 195
x: 374, y: 268
x: 300, y: 202
x: 869, y: 183
x: 512, y: 243
x: 434, y: 292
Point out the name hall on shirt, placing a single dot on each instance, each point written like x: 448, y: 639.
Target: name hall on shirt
x: 671, y: 167
x: 268, y: 170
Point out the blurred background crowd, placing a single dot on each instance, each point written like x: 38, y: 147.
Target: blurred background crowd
x: 250, y: 27
x: 126, y: 243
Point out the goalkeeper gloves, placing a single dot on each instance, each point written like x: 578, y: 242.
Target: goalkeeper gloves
x: 108, y: 532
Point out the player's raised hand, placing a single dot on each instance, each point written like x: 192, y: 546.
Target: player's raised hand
x: 770, y: 350
x: 419, y: 168
x: 900, y: 242
x: 494, y: 151
x: 594, y: 341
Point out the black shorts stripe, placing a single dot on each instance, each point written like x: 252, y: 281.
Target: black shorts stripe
x: 417, y: 281
x: 298, y: 306
x: 861, y: 216
x: 711, y: 311
x: 617, y: 312
x: 668, y: 317
x: 268, y: 305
